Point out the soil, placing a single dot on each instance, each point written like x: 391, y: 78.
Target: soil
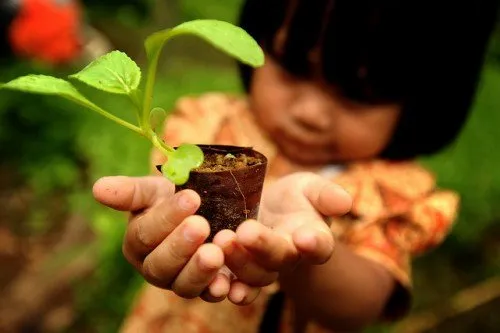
x: 229, y: 183
x: 215, y: 162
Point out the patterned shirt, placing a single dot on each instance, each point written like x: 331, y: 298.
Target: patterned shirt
x: 397, y: 213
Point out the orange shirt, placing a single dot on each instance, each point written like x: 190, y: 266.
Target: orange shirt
x: 397, y: 213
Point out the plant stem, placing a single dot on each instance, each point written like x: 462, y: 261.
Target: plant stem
x: 161, y: 146
x: 112, y: 117
x: 153, y: 59
x: 148, y: 93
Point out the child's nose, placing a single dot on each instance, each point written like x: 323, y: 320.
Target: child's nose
x: 312, y: 113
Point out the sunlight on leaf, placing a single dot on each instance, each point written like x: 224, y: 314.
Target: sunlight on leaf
x: 224, y: 36
x: 47, y: 85
x: 114, y: 72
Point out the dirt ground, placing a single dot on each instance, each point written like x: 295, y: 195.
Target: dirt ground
x: 36, y: 295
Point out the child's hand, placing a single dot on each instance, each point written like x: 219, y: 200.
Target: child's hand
x: 292, y: 229
x: 165, y: 241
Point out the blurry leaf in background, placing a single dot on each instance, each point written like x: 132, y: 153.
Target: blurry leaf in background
x: 226, y: 10
x: 471, y: 165
x: 37, y: 132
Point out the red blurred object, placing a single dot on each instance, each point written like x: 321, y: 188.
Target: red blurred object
x: 47, y: 30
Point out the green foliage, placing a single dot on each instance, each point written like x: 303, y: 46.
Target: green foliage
x: 131, y: 13
x: 226, y: 10
x: 116, y: 73
x: 224, y: 36
x: 47, y: 85
x: 52, y: 145
x: 185, y: 158
x: 105, y: 297
x: 470, y: 166
x: 38, y: 144
x: 157, y: 117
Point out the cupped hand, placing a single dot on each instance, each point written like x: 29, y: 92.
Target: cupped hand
x: 165, y: 241
x: 292, y: 229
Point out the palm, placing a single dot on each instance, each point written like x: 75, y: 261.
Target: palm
x: 285, y: 207
x: 291, y: 229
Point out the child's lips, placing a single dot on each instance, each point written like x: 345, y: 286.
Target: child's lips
x: 304, y: 152
x: 305, y: 137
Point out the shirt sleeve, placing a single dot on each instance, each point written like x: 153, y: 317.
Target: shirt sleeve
x: 397, y: 214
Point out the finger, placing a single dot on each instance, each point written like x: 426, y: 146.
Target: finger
x: 328, y: 198
x: 131, y: 193
x: 201, y: 269
x: 268, y: 248
x: 241, y: 263
x: 217, y: 290
x: 242, y: 294
x: 314, y: 243
x: 149, y: 229
x: 162, y: 265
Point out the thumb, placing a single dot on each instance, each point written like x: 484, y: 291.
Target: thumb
x: 131, y: 193
x: 327, y: 197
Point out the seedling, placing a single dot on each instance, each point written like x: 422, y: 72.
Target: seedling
x: 116, y: 73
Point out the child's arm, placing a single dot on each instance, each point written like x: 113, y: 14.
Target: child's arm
x: 346, y: 294
x: 396, y: 213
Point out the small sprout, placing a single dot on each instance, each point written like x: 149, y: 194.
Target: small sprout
x: 117, y: 73
x: 157, y: 118
x: 229, y: 155
x: 184, y: 159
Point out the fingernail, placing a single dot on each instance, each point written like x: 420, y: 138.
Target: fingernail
x: 185, y: 202
x: 190, y: 234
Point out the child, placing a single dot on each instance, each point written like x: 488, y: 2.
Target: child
x: 351, y: 91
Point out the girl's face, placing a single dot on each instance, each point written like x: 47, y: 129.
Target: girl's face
x: 312, y: 124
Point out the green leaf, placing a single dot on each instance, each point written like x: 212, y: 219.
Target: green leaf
x: 228, y: 38
x: 47, y: 85
x: 157, y: 117
x: 180, y: 163
x: 114, y: 72
x: 224, y: 36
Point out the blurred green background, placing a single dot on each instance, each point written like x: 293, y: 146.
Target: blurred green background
x: 61, y: 251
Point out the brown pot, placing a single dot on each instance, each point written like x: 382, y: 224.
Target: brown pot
x: 232, y: 196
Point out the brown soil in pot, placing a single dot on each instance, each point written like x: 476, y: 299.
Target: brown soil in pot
x: 230, y: 185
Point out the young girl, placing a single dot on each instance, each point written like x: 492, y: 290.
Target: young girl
x: 351, y: 91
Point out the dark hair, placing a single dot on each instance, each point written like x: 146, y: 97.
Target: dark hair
x: 426, y: 57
